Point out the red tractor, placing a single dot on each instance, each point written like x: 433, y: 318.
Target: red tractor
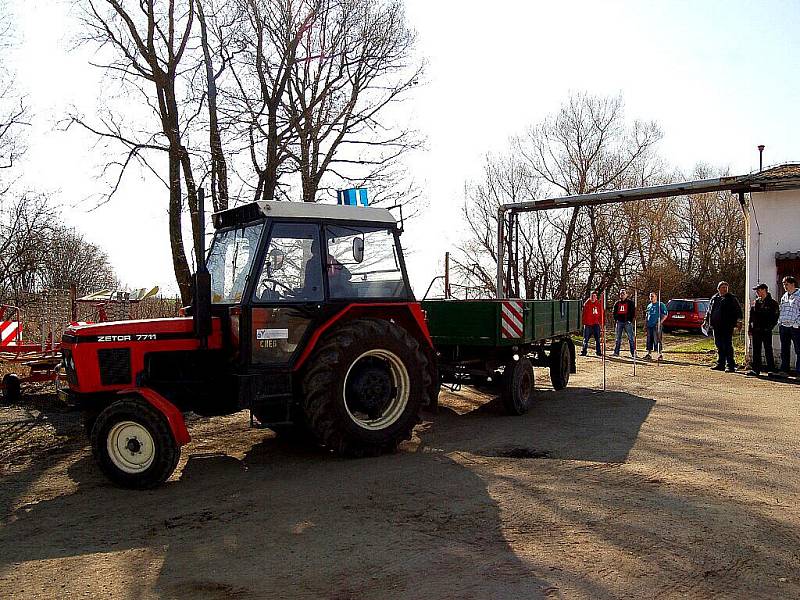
x: 303, y: 314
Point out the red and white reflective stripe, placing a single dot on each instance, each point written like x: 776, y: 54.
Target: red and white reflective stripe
x: 511, y: 325
x: 8, y: 332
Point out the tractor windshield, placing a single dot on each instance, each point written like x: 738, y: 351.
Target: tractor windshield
x: 232, y: 254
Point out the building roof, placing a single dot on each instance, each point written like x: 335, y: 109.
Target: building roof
x: 786, y: 176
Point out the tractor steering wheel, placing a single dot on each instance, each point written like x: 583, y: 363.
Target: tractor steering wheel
x: 275, y: 285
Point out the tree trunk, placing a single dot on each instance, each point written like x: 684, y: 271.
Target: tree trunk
x: 179, y: 262
x: 562, y: 286
x: 219, y: 168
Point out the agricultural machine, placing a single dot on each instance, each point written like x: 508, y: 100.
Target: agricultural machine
x: 55, y: 311
x: 302, y: 314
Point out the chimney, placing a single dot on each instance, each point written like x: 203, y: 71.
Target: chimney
x: 761, y: 157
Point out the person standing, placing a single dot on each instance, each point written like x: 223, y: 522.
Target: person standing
x: 789, y: 324
x: 592, y: 321
x: 763, y: 318
x: 724, y: 314
x: 655, y: 312
x: 624, y: 313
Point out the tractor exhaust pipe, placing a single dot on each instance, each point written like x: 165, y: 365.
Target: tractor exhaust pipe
x: 201, y: 282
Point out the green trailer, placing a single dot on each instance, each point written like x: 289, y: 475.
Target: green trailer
x: 498, y: 342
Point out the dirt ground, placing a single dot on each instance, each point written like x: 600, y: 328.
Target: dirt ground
x: 676, y: 483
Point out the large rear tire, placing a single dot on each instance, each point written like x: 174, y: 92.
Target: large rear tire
x: 364, y: 386
x: 133, y: 445
x: 518, y: 387
x: 560, y: 364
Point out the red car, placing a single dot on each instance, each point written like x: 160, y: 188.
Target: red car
x: 685, y: 314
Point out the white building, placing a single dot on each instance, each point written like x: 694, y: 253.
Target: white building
x: 772, y: 233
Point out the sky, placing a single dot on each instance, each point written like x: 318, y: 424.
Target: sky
x: 718, y: 77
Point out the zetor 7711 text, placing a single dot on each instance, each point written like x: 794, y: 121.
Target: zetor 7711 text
x: 302, y: 314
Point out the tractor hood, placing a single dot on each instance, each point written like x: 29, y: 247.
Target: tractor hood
x: 133, y: 331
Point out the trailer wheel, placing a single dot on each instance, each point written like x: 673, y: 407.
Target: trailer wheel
x: 560, y: 364
x: 518, y: 387
x: 12, y: 390
x: 364, y: 387
x: 133, y: 445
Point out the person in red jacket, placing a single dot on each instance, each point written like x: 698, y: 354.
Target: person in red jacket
x: 592, y: 321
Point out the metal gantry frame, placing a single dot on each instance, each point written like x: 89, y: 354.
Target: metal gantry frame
x: 740, y: 184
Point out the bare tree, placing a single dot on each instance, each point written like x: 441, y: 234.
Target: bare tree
x: 38, y: 253
x: 355, y: 60
x: 24, y: 222
x: 223, y: 29
x: 587, y: 147
x: 147, y: 43
x: 584, y: 148
x: 71, y: 262
x: 14, y: 112
x: 506, y: 180
x: 263, y: 54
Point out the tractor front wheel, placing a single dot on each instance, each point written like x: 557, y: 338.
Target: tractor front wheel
x: 133, y: 445
x: 364, y: 386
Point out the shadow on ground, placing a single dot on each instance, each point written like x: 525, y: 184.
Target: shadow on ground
x: 572, y: 424
x: 283, y: 521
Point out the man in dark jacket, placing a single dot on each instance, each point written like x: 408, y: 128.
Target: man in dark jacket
x: 624, y: 313
x: 724, y: 314
x: 763, y: 318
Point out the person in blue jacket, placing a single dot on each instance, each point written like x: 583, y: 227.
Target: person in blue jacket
x: 655, y: 312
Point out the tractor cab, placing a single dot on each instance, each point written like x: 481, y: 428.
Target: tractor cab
x: 280, y: 272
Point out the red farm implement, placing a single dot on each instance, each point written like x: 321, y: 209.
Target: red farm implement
x: 53, y: 312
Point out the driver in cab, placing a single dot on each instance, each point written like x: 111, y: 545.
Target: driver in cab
x: 338, y: 275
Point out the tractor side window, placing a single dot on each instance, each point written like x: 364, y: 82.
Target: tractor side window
x: 292, y: 269
x: 363, y: 263
x: 229, y: 262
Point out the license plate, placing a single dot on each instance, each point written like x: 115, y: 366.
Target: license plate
x: 678, y: 317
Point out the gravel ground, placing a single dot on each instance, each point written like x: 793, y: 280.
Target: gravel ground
x: 676, y: 483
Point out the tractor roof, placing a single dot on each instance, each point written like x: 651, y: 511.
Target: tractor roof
x: 301, y: 210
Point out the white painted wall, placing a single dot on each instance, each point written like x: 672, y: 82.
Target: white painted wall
x: 772, y: 224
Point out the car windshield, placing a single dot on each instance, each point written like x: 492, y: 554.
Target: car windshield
x: 230, y: 260
x: 680, y: 306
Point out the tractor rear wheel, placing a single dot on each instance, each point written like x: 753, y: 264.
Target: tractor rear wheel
x: 364, y: 386
x: 12, y: 389
x: 560, y: 364
x: 133, y: 445
x: 518, y: 386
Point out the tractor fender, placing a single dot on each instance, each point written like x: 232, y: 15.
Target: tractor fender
x: 171, y: 413
x: 408, y: 314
